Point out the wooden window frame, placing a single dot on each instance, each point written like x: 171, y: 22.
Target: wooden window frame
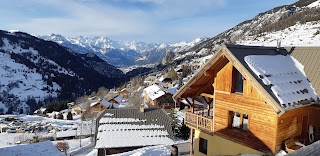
x: 231, y: 121
x: 235, y: 82
x: 201, y: 145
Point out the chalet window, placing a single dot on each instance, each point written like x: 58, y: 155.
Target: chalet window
x: 203, y: 146
x: 238, y: 120
x: 237, y: 81
x: 245, y: 118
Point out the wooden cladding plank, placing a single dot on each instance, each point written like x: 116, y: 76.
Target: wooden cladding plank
x: 209, y: 73
x: 207, y: 95
x: 229, y: 100
x: 249, y: 91
x: 224, y: 78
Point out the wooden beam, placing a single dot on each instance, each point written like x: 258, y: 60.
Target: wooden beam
x: 207, y: 95
x: 205, y: 99
x: 191, y: 141
x: 191, y: 104
x: 196, y: 86
x: 209, y: 73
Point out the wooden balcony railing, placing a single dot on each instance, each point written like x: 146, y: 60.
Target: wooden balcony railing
x: 199, y: 122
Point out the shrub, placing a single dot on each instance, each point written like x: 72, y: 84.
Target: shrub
x: 62, y: 146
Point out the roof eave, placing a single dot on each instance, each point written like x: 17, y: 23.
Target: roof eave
x: 201, y: 71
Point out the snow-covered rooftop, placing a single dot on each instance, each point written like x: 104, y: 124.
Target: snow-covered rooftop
x: 126, y: 89
x: 172, y: 90
x: 132, y: 138
x: 103, y: 102
x: 154, y: 92
x: 132, y: 128
x: 285, y: 76
x: 68, y: 133
x: 117, y: 120
x: 118, y: 99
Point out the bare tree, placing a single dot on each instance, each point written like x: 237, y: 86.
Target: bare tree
x: 136, y: 99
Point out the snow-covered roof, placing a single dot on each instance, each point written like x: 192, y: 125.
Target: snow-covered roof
x: 131, y: 128
x: 172, y: 90
x: 154, y: 92
x: 162, y: 84
x: 161, y: 78
x: 46, y: 148
x: 118, y: 99
x: 116, y: 138
x: 285, y: 76
x: 126, y: 89
x: 116, y: 105
x: 103, y: 102
x: 68, y: 133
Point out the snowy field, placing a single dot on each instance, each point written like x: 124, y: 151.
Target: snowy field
x: 296, y: 35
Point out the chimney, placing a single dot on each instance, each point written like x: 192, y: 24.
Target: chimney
x: 278, y: 45
x: 142, y: 108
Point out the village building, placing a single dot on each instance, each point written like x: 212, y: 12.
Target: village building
x: 41, y: 111
x: 154, y: 97
x: 259, y: 101
x: 121, y: 130
x: 79, y: 108
x: 116, y: 101
x: 150, y: 80
x: 125, y: 93
x: 100, y: 105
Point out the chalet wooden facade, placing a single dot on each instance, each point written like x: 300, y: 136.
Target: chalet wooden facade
x: 125, y: 92
x: 245, y: 116
x: 100, y: 105
x: 154, y: 97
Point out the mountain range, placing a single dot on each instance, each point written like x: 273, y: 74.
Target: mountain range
x: 121, y: 53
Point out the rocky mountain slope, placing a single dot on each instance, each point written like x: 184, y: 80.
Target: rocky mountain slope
x: 34, y: 72
x: 298, y: 16
x: 120, y: 53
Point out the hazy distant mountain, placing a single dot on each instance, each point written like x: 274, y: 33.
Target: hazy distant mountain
x: 120, y: 53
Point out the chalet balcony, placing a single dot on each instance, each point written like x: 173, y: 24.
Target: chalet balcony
x: 199, y: 121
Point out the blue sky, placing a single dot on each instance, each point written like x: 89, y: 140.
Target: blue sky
x: 161, y: 21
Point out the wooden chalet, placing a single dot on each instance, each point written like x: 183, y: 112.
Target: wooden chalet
x: 157, y: 98
x: 100, y: 105
x: 257, y: 99
x: 125, y: 92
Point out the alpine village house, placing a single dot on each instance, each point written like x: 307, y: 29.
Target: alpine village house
x: 258, y: 101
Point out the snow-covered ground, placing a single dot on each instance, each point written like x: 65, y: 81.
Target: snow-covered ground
x: 148, y: 151
x: 46, y: 148
x: 74, y: 144
x: 296, y: 35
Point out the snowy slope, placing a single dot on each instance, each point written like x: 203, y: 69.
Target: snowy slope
x: 298, y: 35
x: 121, y: 53
x: 34, y: 72
x: 294, y: 25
